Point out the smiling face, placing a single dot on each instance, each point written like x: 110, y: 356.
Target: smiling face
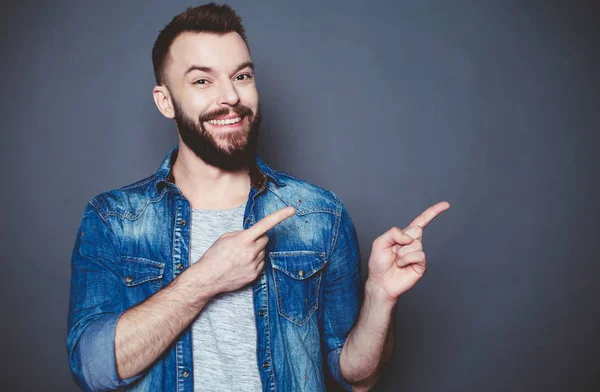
x: 214, y: 99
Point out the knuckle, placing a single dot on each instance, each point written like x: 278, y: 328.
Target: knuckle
x: 251, y: 253
x: 244, y: 237
x: 246, y: 255
x: 418, y: 234
x: 262, y: 246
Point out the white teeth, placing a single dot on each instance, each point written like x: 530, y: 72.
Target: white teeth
x: 225, y: 122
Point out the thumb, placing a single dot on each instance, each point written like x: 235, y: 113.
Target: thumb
x: 415, y: 232
x: 393, y: 236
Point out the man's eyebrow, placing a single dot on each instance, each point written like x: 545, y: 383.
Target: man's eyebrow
x: 210, y: 70
x: 198, y: 68
x: 247, y: 64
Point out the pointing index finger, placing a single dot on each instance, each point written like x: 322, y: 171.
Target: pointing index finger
x: 270, y: 221
x: 429, y: 214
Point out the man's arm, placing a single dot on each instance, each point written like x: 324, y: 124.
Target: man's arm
x: 359, y: 339
x: 108, y: 345
x: 370, y: 343
x: 145, y: 331
x: 342, y: 294
x: 397, y: 262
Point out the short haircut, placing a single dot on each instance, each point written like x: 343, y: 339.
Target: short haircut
x: 208, y: 18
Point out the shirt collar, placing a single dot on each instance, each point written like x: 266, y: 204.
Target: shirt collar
x: 260, y: 173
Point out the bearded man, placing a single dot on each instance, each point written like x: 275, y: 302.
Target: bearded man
x: 219, y: 273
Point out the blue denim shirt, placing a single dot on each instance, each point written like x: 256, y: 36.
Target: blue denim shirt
x: 134, y: 240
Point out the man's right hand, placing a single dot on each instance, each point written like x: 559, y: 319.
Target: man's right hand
x: 237, y: 258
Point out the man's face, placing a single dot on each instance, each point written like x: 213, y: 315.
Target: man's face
x: 214, y: 96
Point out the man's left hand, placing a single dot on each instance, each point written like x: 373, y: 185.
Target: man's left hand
x: 397, y: 259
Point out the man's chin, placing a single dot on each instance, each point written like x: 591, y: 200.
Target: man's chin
x: 227, y: 147
x: 226, y: 158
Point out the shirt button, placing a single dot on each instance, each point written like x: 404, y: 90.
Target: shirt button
x: 247, y: 220
x: 261, y: 313
x: 301, y: 273
x: 129, y: 279
x: 185, y: 374
x: 180, y: 267
x: 265, y: 364
x: 183, y: 223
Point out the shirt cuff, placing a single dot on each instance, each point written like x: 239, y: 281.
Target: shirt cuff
x: 97, y: 353
x: 333, y: 359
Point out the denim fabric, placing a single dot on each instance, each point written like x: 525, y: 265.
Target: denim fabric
x: 134, y: 240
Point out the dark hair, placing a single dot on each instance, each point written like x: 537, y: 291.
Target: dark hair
x: 211, y: 18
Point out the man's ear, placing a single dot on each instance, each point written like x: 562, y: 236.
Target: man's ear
x: 162, y: 99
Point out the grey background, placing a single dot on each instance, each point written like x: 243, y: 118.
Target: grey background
x: 393, y: 105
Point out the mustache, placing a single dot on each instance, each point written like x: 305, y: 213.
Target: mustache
x: 240, y: 110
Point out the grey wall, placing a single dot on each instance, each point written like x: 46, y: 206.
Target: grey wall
x: 394, y: 105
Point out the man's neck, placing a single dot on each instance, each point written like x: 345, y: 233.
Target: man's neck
x: 208, y: 187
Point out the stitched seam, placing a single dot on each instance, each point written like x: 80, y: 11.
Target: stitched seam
x: 294, y: 276
x: 143, y: 260
x: 179, y: 344
x: 336, y: 228
x: 317, y: 255
x: 296, y: 252
x: 139, y: 183
x: 143, y: 280
x: 147, y: 262
x: 285, y: 314
x: 97, y: 208
x: 294, y: 319
x: 116, y: 240
x: 135, y: 217
x: 268, y: 323
x: 319, y: 277
x: 303, y: 211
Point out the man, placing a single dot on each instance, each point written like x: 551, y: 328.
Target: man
x: 218, y: 272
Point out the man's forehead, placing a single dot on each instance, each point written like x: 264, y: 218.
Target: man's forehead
x: 217, y: 51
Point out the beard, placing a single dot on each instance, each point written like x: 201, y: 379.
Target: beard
x: 240, y: 147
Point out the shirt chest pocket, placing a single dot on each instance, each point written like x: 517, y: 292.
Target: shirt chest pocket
x: 297, y: 276
x: 141, y: 274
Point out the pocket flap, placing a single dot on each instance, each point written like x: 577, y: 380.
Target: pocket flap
x: 137, y: 270
x: 299, y: 265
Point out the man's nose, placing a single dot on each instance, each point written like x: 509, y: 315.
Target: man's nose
x: 228, y: 94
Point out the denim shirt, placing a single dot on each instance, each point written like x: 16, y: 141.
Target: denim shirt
x: 135, y: 240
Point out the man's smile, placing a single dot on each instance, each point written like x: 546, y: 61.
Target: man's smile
x: 233, y: 121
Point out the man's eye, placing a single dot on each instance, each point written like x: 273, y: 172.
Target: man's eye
x: 243, y: 76
x: 201, y: 81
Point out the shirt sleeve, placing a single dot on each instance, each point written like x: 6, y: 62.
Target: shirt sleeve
x: 95, y: 305
x: 342, y: 293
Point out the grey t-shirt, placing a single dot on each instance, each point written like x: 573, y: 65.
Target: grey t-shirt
x: 224, y: 333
